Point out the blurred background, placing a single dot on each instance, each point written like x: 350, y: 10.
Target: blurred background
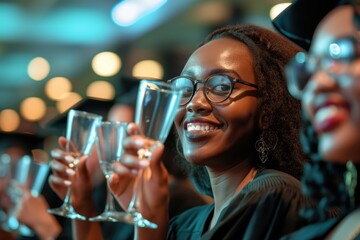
x: 54, y: 53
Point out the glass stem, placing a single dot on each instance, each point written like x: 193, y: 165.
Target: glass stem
x: 133, y: 208
x: 67, y: 199
x: 110, y: 206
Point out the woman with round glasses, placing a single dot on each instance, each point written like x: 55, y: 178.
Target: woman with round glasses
x: 329, y: 89
x: 238, y: 129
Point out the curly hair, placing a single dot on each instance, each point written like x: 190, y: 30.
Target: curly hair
x: 323, y: 181
x: 280, y: 112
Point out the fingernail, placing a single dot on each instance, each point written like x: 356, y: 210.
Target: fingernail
x: 55, y: 153
x: 144, y: 163
x: 56, y: 166
x: 60, y: 180
x: 134, y: 171
x: 69, y: 159
x: 70, y: 172
x: 119, y: 169
x: 67, y: 182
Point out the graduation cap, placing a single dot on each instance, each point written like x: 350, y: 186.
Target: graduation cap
x: 26, y: 141
x: 91, y: 105
x: 299, y: 21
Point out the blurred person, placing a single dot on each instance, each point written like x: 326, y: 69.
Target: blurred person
x: 31, y: 211
x: 327, y: 82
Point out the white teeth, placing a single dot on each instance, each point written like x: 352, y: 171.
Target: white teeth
x: 200, y: 127
x: 326, y: 112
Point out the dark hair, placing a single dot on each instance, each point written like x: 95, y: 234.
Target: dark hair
x: 323, y: 181
x: 280, y: 113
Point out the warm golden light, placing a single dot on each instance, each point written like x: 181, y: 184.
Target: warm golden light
x: 33, y: 109
x: 9, y: 120
x: 38, y: 68
x: 277, y: 9
x: 106, y: 64
x: 56, y: 87
x: 101, y: 89
x: 148, y: 69
x: 67, y: 101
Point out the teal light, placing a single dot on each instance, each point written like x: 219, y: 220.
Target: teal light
x: 10, y: 21
x: 128, y: 12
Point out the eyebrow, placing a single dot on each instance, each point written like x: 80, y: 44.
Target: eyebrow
x: 213, y: 72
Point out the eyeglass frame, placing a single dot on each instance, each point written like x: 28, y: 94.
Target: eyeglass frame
x: 319, y: 62
x: 196, y: 81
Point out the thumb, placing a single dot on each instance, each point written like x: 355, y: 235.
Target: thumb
x: 62, y: 142
x: 156, y: 152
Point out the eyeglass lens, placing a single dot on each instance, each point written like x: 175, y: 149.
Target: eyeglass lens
x: 217, y: 88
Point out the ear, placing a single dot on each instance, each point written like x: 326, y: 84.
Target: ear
x: 261, y: 122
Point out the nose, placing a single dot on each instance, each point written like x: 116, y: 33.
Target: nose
x: 199, y: 102
x: 322, y: 81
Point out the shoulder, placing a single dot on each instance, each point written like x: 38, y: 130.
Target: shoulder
x: 273, y: 188
x: 270, y: 178
x: 190, y: 215
x: 190, y: 223
x: 313, y: 231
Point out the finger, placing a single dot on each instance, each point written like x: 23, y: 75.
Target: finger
x: 133, y: 129
x: 133, y: 162
x: 133, y: 143
x: 58, y: 183
x: 119, y: 184
x: 82, y: 169
x: 61, y: 170
x: 155, y: 163
x: 123, y: 170
x: 62, y: 141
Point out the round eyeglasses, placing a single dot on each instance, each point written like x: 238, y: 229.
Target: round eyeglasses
x: 300, y: 69
x: 217, y: 88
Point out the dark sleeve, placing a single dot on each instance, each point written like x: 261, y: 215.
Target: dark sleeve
x: 190, y: 224
x: 267, y: 209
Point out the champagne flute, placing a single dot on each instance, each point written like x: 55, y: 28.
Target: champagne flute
x: 31, y: 175
x: 110, y: 150
x: 5, y: 172
x: 156, y: 107
x: 80, y: 136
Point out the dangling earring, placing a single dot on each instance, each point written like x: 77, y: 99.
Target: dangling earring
x: 351, y: 181
x: 263, y: 147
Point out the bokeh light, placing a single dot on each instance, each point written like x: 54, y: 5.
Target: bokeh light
x: 106, y: 64
x: 101, y: 89
x: 277, y: 9
x: 67, y: 101
x: 56, y: 87
x: 33, y: 108
x: 148, y: 69
x: 38, y: 68
x: 9, y: 120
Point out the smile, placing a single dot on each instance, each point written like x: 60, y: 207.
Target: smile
x: 191, y: 127
x: 328, y: 117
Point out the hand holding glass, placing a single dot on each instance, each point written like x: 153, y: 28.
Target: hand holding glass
x: 110, y: 150
x: 156, y: 107
x: 80, y: 136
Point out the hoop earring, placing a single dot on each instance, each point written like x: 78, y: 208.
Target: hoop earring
x: 263, y: 146
x: 351, y: 181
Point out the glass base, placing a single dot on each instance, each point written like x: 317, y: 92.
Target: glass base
x: 140, y: 221
x: 11, y: 224
x: 112, y: 216
x: 66, y: 211
x: 25, y: 231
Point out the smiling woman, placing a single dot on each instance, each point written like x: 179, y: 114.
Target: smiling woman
x: 238, y: 129
x: 236, y: 122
